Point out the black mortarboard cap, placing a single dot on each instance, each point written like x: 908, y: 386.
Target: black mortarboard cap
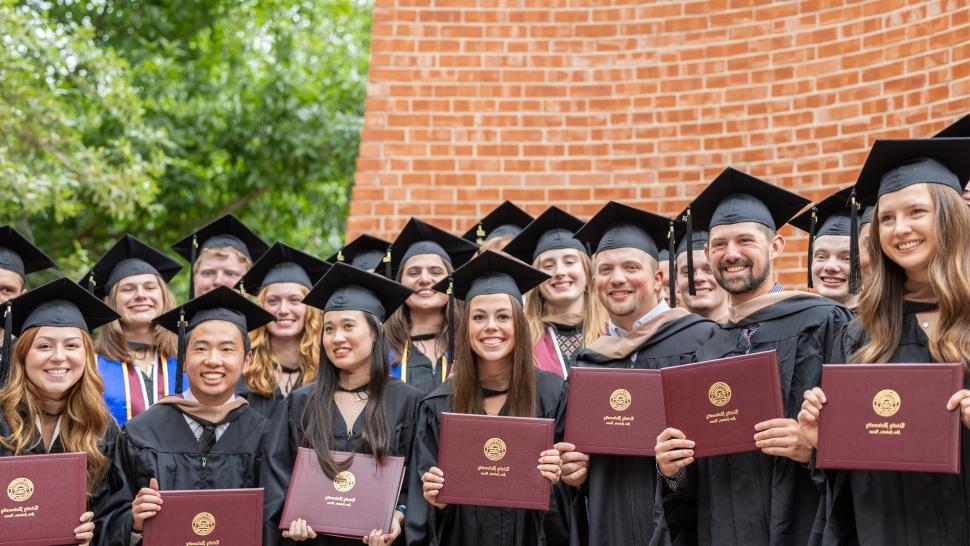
x: 551, y: 230
x: 505, y: 219
x: 283, y: 263
x: 222, y: 303
x: 60, y: 303
x: 346, y: 288
x: 127, y: 257
x: 698, y: 241
x: 19, y: 255
x: 663, y: 255
x: 830, y: 216
x: 867, y: 215
x: 735, y: 197
x: 492, y: 273
x: 227, y: 231
x: 418, y: 238
x: 895, y: 164
x: 365, y: 252
x: 958, y: 129
x: 621, y: 226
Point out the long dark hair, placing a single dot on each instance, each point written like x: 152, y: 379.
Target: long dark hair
x: 467, y: 397
x: 398, y: 325
x: 317, y: 417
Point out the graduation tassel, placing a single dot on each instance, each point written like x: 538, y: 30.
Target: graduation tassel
x: 340, y: 255
x: 672, y: 265
x: 690, y: 253
x: 855, y: 270
x: 387, y: 264
x: 193, y: 253
x: 91, y: 283
x: 480, y: 234
x: 7, y: 342
x: 811, y: 243
x: 180, y: 358
x: 451, y: 324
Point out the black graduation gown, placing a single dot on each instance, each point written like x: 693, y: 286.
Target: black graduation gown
x: 267, y: 406
x: 402, y: 403
x: 465, y: 525
x: 752, y: 499
x: 421, y: 372
x: 621, y: 491
x: 108, y: 495
x: 899, y: 508
x: 159, y: 444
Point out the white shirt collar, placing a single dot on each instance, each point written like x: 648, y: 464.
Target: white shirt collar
x: 661, y: 307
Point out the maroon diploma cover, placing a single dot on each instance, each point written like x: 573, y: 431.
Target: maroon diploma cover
x: 211, y: 517
x: 491, y: 460
x: 717, y: 403
x: 617, y: 411
x: 890, y: 417
x: 359, y: 499
x: 43, y: 499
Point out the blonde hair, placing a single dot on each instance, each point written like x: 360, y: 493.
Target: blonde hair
x: 111, y: 342
x: 262, y: 373
x: 881, y: 305
x: 594, y: 315
x: 221, y: 253
x: 86, y: 417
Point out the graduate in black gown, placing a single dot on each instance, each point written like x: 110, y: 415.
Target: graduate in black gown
x: 42, y: 411
x: 644, y: 332
x: 494, y: 375
x: 828, y: 225
x: 220, y: 253
x: 206, y: 437
x: 286, y: 352
x: 354, y: 406
x: 765, y: 497
x: 18, y: 257
x: 418, y: 332
x: 912, y: 310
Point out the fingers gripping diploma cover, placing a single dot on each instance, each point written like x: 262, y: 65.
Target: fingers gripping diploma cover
x: 357, y: 500
x: 890, y: 417
x: 615, y: 411
x: 43, y: 497
x: 491, y: 460
x: 717, y: 403
x: 214, y: 517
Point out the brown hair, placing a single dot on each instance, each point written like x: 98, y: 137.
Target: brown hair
x: 86, y: 417
x: 467, y: 394
x: 494, y: 244
x: 111, y: 341
x: 594, y: 315
x: 881, y: 305
x: 397, y: 327
x: 261, y: 374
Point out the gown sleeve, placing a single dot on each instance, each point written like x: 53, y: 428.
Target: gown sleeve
x: 420, y: 518
x: 111, y: 498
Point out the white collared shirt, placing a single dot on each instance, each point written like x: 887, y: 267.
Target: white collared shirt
x: 661, y: 307
x: 198, y: 427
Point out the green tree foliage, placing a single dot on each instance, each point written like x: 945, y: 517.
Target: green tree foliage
x: 153, y: 118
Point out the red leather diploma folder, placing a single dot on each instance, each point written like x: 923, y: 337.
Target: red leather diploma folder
x: 207, y: 517
x: 359, y: 499
x: 43, y: 498
x: 491, y: 460
x: 890, y: 417
x: 717, y: 403
x: 617, y: 411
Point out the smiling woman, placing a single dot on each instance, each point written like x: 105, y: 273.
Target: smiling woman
x: 135, y: 357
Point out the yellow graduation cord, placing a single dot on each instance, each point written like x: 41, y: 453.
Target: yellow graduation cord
x: 404, y: 364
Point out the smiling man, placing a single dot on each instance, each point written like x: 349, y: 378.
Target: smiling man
x: 207, y: 437
x: 829, y: 264
x: 709, y: 299
x: 644, y: 332
x: 766, y: 497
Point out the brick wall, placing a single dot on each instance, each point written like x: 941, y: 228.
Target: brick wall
x: 575, y: 102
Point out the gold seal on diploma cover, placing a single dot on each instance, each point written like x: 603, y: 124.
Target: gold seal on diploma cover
x: 495, y: 449
x: 344, y: 481
x: 886, y: 402
x: 620, y: 399
x: 203, y: 523
x: 719, y: 394
x: 20, y: 489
